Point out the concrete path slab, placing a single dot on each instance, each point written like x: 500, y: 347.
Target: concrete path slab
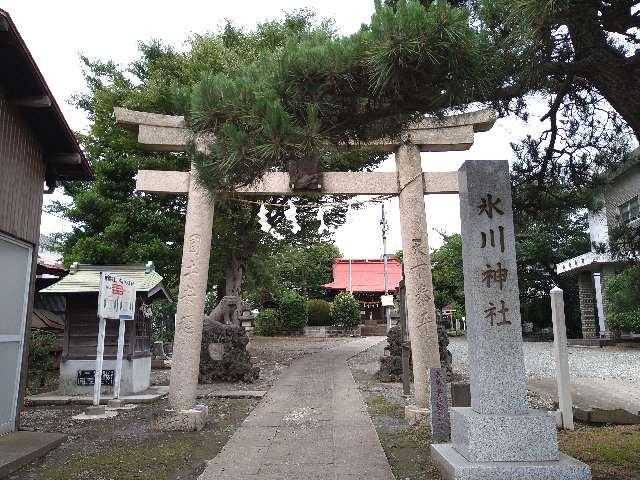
x: 19, y: 448
x: 233, y: 394
x: 312, y: 424
x: 53, y: 398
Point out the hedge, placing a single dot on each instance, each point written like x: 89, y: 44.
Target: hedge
x: 266, y: 323
x: 292, y: 310
x: 319, y: 313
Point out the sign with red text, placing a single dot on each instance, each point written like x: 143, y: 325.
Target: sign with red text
x: 117, y: 297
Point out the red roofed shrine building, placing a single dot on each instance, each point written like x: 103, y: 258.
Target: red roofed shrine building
x: 365, y: 279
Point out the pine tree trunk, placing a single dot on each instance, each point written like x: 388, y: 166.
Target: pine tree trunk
x: 233, y: 280
x: 619, y: 84
x: 615, y: 76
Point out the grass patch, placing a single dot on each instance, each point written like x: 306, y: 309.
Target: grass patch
x: 407, y: 450
x: 382, y: 407
x: 146, y: 460
x: 611, y: 451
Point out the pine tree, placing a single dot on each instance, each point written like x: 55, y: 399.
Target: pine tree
x: 115, y: 224
x: 433, y: 57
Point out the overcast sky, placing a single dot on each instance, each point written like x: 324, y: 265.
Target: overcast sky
x: 56, y: 32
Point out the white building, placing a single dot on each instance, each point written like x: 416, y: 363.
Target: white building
x: 594, y: 269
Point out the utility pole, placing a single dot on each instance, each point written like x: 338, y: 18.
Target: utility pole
x: 385, y: 227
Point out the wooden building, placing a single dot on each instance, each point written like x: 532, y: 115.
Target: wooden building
x: 37, y: 149
x: 80, y: 289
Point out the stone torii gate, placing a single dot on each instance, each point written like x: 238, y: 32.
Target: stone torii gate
x: 164, y: 133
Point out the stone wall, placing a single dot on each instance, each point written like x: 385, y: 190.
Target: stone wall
x: 625, y: 187
x: 587, y: 306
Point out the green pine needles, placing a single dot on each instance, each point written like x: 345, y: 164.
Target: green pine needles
x: 319, y: 90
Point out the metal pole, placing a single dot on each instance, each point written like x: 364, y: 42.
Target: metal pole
x: 97, y: 384
x: 387, y: 310
x: 350, y: 287
x: 116, y: 384
x: 384, y: 251
x: 404, y: 338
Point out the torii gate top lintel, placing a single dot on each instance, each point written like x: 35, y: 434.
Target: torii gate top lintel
x: 158, y: 132
x: 168, y: 133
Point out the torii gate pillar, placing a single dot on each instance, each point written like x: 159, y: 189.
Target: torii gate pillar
x: 416, y: 258
x: 191, y: 296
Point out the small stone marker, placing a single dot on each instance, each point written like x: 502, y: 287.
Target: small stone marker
x: 95, y: 410
x: 561, y: 357
x: 499, y: 436
x: 440, y: 422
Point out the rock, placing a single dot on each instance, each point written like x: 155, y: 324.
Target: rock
x: 391, y: 365
x: 446, y: 358
x: 223, y: 354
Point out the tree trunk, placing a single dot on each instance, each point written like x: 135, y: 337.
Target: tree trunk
x: 615, y: 76
x: 233, y: 279
x: 619, y: 83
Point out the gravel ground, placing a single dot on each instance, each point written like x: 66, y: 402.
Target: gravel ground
x: 365, y: 365
x: 619, y: 363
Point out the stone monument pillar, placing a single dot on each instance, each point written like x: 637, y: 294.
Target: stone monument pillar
x: 421, y: 310
x: 498, y: 436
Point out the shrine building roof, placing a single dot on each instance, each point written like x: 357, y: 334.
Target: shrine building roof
x: 86, y: 279
x: 367, y: 275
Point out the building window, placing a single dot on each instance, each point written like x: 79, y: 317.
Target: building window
x: 630, y: 210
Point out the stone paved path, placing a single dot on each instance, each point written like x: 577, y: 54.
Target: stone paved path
x: 311, y: 425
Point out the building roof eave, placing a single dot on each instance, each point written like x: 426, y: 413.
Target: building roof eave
x: 24, y: 80
x: 590, y: 261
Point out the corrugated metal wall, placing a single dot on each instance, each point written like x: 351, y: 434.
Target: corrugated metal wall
x: 22, y: 172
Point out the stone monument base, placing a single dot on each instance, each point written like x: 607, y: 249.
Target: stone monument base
x: 529, y: 437
x: 191, y: 420
x: 415, y: 415
x: 454, y: 466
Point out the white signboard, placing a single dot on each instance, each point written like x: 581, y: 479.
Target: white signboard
x: 117, y: 297
x: 387, y: 300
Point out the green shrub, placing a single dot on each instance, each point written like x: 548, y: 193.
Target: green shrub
x: 163, y: 320
x: 39, y: 350
x: 345, y: 310
x: 623, y: 300
x: 292, y: 310
x: 266, y: 323
x: 319, y: 313
x: 40, y: 356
